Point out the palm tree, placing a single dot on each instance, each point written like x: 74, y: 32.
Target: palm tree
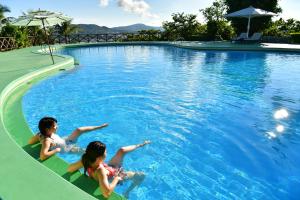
x: 3, y: 9
x: 66, y: 29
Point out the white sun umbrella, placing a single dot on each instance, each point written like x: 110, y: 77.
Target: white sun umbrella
x: 249, y: 13
x: 42, y: 18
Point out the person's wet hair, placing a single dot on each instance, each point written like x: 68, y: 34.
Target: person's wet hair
x: 93, y: 151
x: 46, y: 123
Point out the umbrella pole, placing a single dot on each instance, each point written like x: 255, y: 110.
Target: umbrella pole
x: 248, y: 26
x: 48, y: 41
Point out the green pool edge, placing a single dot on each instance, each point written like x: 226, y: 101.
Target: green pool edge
x: 25, y: 176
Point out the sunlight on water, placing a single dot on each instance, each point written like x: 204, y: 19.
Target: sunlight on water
x: 281, y: 114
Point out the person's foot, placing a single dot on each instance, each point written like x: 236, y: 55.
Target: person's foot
x: 145, y: 143
x: 104, y: 125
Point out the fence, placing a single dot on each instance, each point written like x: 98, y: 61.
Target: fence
x: 7, y: 43
x: 110, y: 37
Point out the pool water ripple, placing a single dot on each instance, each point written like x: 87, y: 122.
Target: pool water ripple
x: 209, y: 115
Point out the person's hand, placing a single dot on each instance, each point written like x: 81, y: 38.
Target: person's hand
x: 119, y: 178
x: 120, y: 174
x: 58, y: 149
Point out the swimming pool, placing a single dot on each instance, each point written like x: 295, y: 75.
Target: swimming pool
x: 209, y: 115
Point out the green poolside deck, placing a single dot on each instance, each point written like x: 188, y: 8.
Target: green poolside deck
x: 22, y: 175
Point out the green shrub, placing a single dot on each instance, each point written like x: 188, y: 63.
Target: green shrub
x: 219, y: 30
x: 295, y: 38
x: 20, y: 35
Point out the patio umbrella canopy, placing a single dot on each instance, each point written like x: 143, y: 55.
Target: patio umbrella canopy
x: 249, y: 13
x: 44, y: 19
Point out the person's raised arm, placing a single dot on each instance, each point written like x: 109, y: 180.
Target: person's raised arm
x: 45, y: 153
x: 106, y: 187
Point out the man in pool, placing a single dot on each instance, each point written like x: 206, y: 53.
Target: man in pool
x: 53, y: 143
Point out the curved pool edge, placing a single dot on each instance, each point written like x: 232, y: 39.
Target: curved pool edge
x: 20, y: 169
x: 198, y: 45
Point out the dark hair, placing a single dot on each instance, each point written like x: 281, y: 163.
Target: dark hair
x: 46, y: 123
x: 93, y: 151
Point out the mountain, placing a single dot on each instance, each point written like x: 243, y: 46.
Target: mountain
x: 95, y: 29
x: 135, y: 28
x: 92, y: 29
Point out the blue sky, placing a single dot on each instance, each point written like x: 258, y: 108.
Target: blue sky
x: 125, y: 12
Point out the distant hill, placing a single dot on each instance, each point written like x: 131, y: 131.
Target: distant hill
x: 95, y: 29
x: 135, y: 28
x: 92, y: 29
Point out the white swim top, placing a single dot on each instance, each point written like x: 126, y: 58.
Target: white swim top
x: 66, y: 146
x: 56, y: 140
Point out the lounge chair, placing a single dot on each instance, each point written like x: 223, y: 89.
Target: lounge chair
x: 255, y: 37
x: 241, y: 37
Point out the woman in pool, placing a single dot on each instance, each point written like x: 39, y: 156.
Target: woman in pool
x: 52, y: 143
x: 108, y: 175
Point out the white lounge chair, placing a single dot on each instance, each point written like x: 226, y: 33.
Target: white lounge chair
x: 254, y: 37
x: 242, y: 36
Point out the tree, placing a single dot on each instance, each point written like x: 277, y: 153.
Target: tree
x: 182, y: 27
x: 66, y: 29
x: 216, y: 12
x: 37, y: 35
x: 19, y: 33
x: 217, y: 26
x: 3, y: 9
x: 257, y: 24
x: 283, y: 28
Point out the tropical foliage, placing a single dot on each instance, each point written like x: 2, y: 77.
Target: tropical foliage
x: 66, y: 29
x: 148, y: 35
x: 283, y: 27
x: 218, y: 28
x: 20, y: 35
x: 6, y: 30
x: 3, y: 9
x: 183, y: 27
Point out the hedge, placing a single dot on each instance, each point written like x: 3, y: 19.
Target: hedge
x: 295, y: 38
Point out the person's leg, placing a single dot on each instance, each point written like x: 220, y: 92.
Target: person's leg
x: 136, y: 178
x: 78, y: 131
x: 73, y: 148
x: 117, y: 160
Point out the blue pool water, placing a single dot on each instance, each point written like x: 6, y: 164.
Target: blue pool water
x: 209, y: 115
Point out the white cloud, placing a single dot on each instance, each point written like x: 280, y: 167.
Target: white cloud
x: 139, y: 7
x: 104, y: 3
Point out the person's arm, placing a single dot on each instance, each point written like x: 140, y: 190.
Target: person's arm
x: 34, y: 139
x: 106, y: 187
x: 75, y: 166
x: 45, y: 153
